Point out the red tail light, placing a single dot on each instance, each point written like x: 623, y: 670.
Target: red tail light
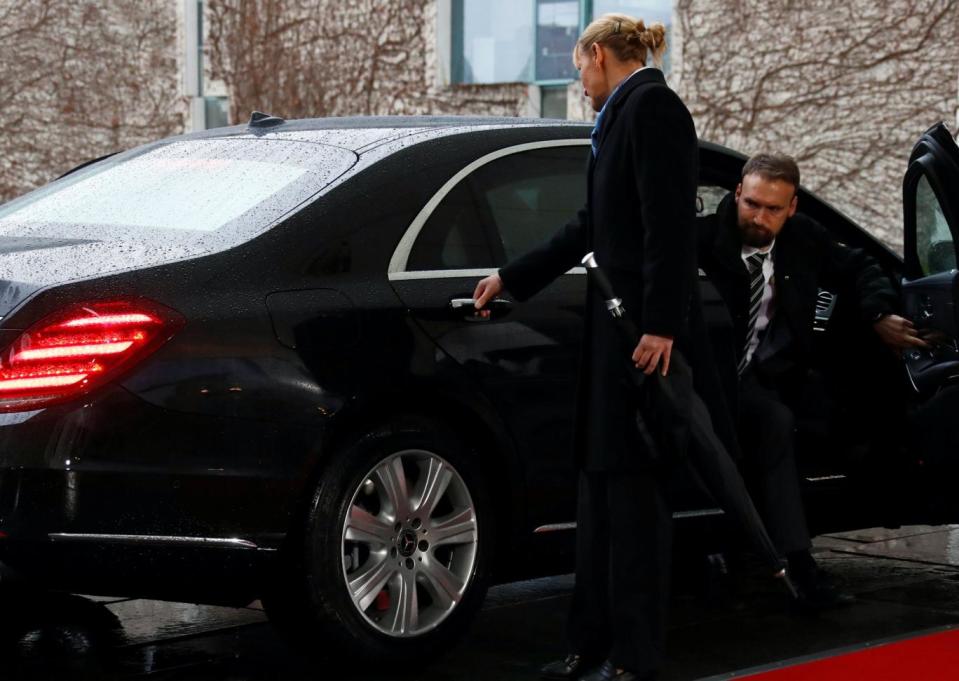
x: 70, y: 353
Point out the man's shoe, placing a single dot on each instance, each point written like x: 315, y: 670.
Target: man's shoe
x: 570, y: 667
x: 608, y: 672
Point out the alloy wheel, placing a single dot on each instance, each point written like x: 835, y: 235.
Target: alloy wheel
x: 409, y: 543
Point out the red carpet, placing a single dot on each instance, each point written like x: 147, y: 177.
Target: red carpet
x: 933, y: 657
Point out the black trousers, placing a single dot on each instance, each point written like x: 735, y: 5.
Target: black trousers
x: 623, y: 547
x: 767, y: 430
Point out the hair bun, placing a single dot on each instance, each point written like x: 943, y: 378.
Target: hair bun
x: 654, y: 36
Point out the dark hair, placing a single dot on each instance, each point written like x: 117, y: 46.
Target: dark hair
x: 773, y: 167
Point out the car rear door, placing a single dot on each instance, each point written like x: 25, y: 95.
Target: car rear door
x: 931, y: 299
x: 525, y: 356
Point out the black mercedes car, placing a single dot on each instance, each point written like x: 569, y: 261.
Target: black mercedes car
x: 244, y: 364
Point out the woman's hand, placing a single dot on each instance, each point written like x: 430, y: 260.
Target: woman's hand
x: 650, y: 351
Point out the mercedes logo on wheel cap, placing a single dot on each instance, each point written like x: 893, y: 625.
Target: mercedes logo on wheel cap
x: 406, y: 543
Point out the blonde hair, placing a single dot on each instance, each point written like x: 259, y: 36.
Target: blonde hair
x: 627, y: 37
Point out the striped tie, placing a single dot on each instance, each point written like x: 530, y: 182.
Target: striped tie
x: 754, y: 264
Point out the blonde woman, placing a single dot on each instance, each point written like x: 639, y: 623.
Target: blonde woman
x: 639, y: 221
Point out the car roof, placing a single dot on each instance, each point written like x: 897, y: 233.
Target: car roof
x: 363, y: 133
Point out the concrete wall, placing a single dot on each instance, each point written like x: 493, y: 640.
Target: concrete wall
x: 304, y: 58
x: 82, y: 79
x: 846, y: 88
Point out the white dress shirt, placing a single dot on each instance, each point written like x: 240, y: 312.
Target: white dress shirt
x: 766, y: 303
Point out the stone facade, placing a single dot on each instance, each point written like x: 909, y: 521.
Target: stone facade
x: 82, y: 79
x: 846, y: 88
x: 305, y: 58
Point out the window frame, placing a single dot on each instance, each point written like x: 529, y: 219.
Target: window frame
x: 397, y: 269
x: 457, y: 63
x: 922, y: 167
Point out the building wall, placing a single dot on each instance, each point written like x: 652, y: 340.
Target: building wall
x: 846, y: 88
x: 82, y: 79
x: 305, y: 58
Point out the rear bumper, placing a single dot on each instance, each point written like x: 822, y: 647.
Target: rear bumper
x: 118, y: 497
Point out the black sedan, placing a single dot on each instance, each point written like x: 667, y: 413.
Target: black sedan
x: 244, y: 363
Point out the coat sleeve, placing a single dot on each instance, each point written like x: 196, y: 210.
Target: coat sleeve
x: 666, y: 160
x: 860, y: 272
x: 531, y: 272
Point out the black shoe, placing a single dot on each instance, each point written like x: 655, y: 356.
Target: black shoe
x: 570, y: 667
x: 816, y: 590
x: 608, y: 672
x: 820, y: 597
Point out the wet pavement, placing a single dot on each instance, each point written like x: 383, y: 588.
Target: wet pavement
x: 906, y: 581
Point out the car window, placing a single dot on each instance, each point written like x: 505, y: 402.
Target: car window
x: 934, y: 241
x: 708, y: 198
x: 213, y: 193
x: 503, y: 209
x: 454, y: 237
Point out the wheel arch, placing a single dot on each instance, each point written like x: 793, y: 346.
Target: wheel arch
x: 470, y: 419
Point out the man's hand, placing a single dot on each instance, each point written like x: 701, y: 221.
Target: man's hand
x: 650, y: 350
x: 898, y: 333
x: 486, y: 290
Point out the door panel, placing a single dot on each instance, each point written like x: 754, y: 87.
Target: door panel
x: 525, y: 361
x: 525, y: 356
x: 931, y: 289
x: 931, y: 303
x: 931, y: 295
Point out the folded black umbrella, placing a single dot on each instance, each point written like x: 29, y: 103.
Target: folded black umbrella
x: 683, y: 421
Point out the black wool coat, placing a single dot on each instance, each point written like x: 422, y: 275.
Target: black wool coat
x: 640, y: 221
x: 805, y: 258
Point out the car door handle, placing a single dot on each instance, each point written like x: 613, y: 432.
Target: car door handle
x: 466, y: 308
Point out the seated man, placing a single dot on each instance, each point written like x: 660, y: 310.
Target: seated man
x: 768, y: 263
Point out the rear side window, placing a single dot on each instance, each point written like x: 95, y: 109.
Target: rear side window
x: 503, y: 209
x: 214, y: 193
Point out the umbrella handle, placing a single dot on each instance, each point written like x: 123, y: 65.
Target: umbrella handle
x: 624, y: 323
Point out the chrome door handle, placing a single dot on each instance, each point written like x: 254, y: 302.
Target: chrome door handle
x: 466, y: 307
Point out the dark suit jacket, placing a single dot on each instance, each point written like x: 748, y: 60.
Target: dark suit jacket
x: 805, y: 258
x: 639, y: 220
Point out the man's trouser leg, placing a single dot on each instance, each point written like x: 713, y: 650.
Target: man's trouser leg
x: 624, y: 543
x: 767, y: 432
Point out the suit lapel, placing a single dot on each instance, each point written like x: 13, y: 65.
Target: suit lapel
x: 729, y: 246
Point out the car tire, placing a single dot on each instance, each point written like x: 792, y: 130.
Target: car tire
x: 348, y: 591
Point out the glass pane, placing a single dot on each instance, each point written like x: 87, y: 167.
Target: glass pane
x: 497, y: 41
x: 934, y: 243
x: 217, y: 115
x: 453, y: 238
x: 216, y: 192
x: 557, y: 29
x: 502, y: 210
x: 553, y: 102
x: 709, y: 196
x: 647, y: 10
x: 533, y: 194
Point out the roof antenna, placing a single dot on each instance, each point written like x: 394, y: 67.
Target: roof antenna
x: 258, y: 119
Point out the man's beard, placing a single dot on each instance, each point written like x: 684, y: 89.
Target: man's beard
x: 754, y: 235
